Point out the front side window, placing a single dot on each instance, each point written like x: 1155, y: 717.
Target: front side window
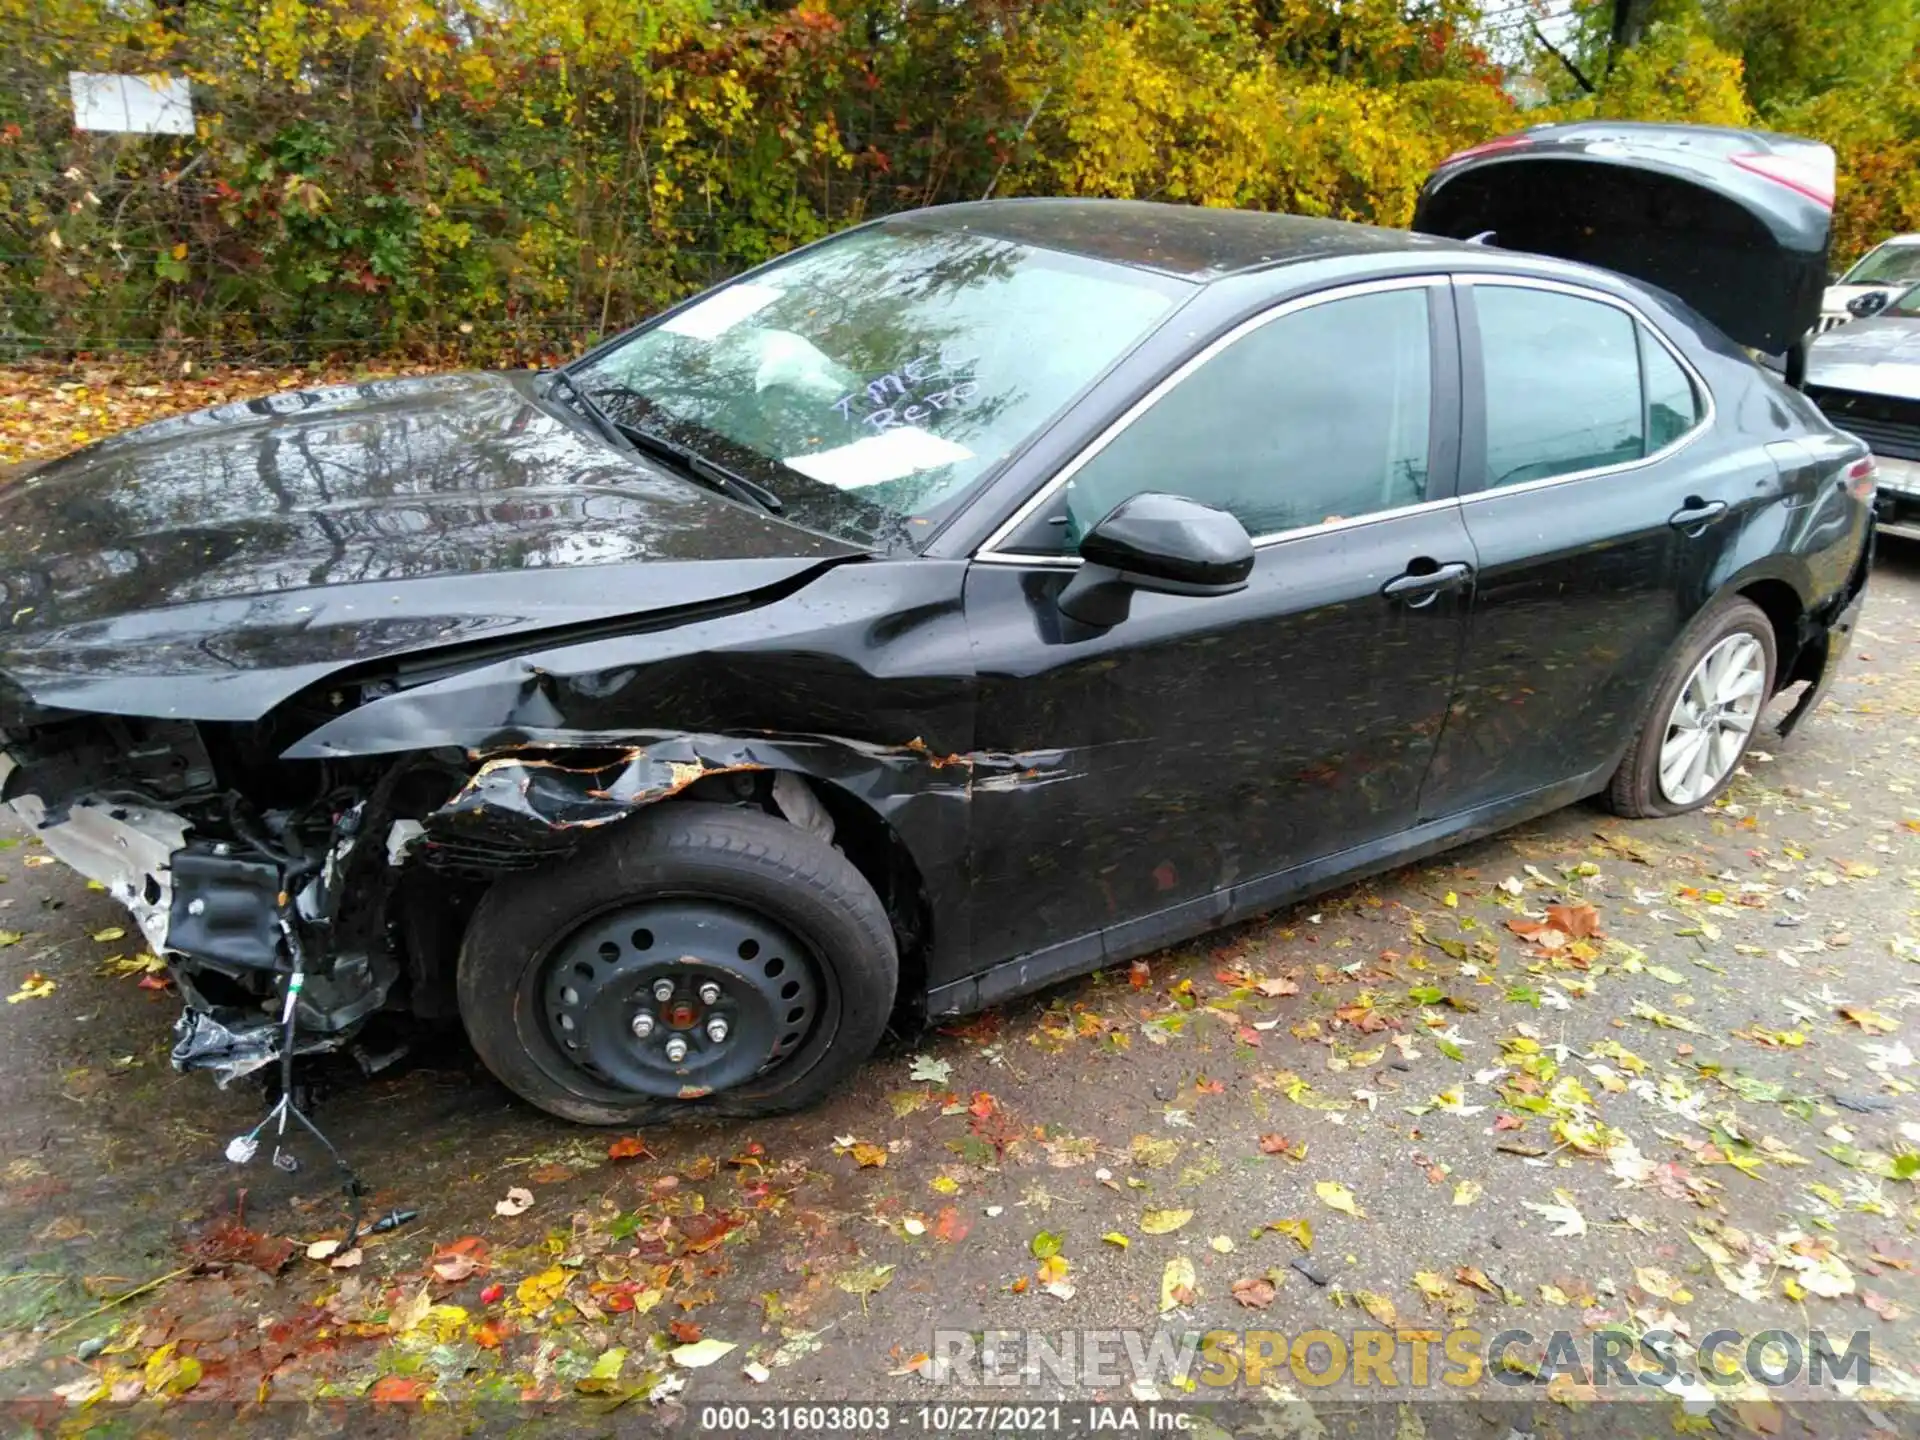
x: 870, y: 382
x: 1319, y: 414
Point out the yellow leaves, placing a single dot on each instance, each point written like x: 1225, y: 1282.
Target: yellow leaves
x: 865, y: 1282
x: 1164, y: 1222
x: 537, y: 1292
x: 1298, y: 1231
x: 1869, y: 1020
x: 35, y: 987
x: 1177, y: 1282
x: 1151, y: 1154
x: 1336, y: 1196
x: 170, y: 1373
x: 1379, y: 1307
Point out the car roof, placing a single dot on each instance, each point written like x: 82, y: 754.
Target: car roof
x: 1192, y: 242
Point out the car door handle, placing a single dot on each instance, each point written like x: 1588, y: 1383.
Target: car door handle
x: 1418, y: 589
x: 1696, y: 514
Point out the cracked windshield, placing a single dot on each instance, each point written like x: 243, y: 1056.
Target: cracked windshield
x: 870, y: 382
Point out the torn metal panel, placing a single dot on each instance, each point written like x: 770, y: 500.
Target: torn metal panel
x: 521, y: 796
x: 127, y: 848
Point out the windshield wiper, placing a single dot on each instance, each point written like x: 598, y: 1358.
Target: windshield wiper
x: 691, y: 462
x: 586, y: 405
x: 687, y: 461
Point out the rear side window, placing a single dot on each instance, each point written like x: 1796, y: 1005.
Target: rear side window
x: 1562, y: 384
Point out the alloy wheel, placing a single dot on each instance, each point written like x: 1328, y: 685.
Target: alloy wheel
x: 1712, y: 718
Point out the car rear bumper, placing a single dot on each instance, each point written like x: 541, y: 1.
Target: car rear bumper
x: 1820, y: 661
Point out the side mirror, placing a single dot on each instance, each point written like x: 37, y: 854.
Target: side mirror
x: 1871, y: 303
x: 1163, y: 543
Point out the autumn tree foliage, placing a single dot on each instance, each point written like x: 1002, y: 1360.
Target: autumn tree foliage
x: 495, y: 178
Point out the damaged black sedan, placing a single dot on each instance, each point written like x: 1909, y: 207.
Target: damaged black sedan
x: 979, y: 597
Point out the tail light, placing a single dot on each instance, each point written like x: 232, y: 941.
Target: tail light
x: 1862, y: 476
x: 1807, y: 169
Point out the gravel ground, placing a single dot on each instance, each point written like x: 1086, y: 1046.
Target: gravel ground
x: 1676, y: 1099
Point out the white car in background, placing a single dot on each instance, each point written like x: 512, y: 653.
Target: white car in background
x: 1886, y: 270
x: 1866, y: 379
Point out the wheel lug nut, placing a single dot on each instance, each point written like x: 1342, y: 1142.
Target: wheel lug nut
x: 663, y: 990
x: 676, y: 1049
x: 642, y: 1025
x: 709, y: 993
x: 717, y: 1029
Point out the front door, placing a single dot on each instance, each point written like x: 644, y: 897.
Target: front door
x: 1207, y: 743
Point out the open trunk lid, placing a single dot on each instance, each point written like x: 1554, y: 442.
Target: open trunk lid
x: 1734, y: 222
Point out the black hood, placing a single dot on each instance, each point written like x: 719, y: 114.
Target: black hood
x: 241, y: 553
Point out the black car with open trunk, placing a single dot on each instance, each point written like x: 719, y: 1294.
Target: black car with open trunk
x: 975, y: 598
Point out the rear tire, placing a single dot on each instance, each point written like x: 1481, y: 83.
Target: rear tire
x: 746, y: 907
x: 1725, y: 666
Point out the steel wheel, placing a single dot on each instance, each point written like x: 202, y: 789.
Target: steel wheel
x: 1712, y: 719
x: 695, y: 962
x: 678, y: 998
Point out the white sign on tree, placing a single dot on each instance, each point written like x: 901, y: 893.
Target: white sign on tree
x: 131, y: 104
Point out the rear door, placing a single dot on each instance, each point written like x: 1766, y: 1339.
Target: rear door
x: 1585, y: 489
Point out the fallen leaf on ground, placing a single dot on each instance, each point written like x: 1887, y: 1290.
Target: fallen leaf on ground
x: 931, y: 1070
x: 1254, y: 1292
x: 1337, y: 1197
x: 701, y: 1353
x: 1164, y: 1222
x: 1579, y: 921
x: 1871, y: 1021
x: 629, y: 1147
x: 865, y: 1282
x: 1298, y: 1231
x: 1567, y: 1221
x: 1177, y: 1284
x: 1466, y: 1192
x: 1379, y: 1307
x: 35, y: 987
x: 518, y: 1202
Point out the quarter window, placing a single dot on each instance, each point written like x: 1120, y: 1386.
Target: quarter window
x: 1672, y: 406
x: 1322, y: 414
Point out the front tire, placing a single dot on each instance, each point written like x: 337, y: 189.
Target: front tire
x: 687, y: 915
x: 1702, y: 717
